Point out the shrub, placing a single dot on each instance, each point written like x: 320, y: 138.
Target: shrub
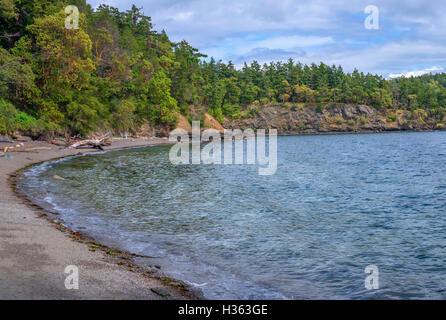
x: 217, y: 114
x: 123, y: 116
x: 231, y: 110
x: 319, y: 109
x: 24, y: 121
x: 252, y: 113
x: 391, y: 118
x: 419, y: 114
x: 264, y: 101
x: 33, y: 127
x: 7, y: 115
x: 339, y: 122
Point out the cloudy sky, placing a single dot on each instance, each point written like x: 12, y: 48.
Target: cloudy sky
x: 411, y: 38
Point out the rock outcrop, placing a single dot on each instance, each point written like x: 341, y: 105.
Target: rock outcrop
x: 210, y: 122
x: 301, y: 119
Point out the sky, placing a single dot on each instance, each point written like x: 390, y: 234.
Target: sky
x: 410, y: 38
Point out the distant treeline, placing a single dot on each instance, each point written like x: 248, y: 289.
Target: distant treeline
x: 116, y: 72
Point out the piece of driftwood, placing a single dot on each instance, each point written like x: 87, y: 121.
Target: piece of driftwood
x: 23, y: 150
x: 22, y: 139
x: 98, y: 143
x: 19, y: 149
x: 38, y: 148
x: 59, y: 143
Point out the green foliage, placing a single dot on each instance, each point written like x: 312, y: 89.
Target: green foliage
x: 419, y: 114
x: 253, y: 113
x: 83, y: 114
x: 391, y: 117
x: 17, y: 80
x: 12, y: 120
x: 217, y: 113
x: 8, y: 10
x: 232, y: 111
x: 7, y: 115
x: 123, y: 117
x: 28, y: 124
x: 115, y: 72
x: 161, y: 107
x: 264, y: 101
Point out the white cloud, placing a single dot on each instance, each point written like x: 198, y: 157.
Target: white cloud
x: 291, y: 42
x: 247, y: 47
x: 416, y: 73
x: 412, y: 33
x: 181, y: 16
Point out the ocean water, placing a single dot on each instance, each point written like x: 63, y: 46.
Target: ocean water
x: 336, y: 205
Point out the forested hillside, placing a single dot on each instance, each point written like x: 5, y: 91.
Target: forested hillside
x: 116, y: 73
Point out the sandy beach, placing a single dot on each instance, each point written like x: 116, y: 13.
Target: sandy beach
x: 35, y: 251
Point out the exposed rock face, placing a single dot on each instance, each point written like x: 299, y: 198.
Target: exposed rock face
x: 210, y: 122
x: 333, y: 118
x: 184, y: 124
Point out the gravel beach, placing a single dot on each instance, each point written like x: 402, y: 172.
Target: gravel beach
x: 34, y: 253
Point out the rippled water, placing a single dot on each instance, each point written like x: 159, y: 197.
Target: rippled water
x: 337, y: 204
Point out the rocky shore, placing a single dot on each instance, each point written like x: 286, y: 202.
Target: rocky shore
x: 35, y: 249
x: 335, y: 118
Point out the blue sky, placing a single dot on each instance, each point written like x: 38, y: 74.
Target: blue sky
x: 411, y: 38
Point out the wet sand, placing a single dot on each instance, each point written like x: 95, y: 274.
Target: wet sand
x: 35, y: 251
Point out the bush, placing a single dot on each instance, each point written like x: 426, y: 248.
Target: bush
x: 30, y: 126
x: 123, y: 116
x: 252, y: 113
x: 264, y: 101
x: 12, y: 120
x: 24, y: 121
x: 339, y: 122
x: 7, y: 115
x: 231, y: 110
x: 217, y: 114
x: 84, y: 114
x: 391, y: 118
x: 419, y: 114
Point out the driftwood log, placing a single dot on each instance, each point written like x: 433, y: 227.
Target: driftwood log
x: 97, y: 143
x: 19, y: 148
x: 59, y: 143
x: 34, y: 150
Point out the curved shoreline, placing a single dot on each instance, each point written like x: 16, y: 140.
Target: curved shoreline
x: 36, y: 252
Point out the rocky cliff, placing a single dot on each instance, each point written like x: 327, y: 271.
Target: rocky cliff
x: 301, y: 119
